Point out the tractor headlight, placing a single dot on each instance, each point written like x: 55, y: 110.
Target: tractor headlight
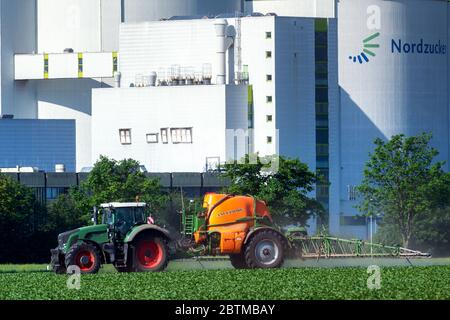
x: 63, y: 237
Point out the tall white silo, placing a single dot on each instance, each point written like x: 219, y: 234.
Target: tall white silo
x: 393, y: 78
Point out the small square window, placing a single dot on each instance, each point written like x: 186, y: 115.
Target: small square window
x: 268, y: 35
x: 269, y: 118
x: 164, y: 136
x: 268, y: 54
x: 268, y: 77
x: 125, y: 136
x: 152, y: 138
x: 269, y: 99
x: 269, y: 140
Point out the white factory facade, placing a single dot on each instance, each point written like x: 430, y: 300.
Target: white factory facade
x: 184, y: 85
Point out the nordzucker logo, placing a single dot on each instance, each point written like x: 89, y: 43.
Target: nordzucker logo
x: 368, y: 49
x: 421, y: 47
x: 369, y: 44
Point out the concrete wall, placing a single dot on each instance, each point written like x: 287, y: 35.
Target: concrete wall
x: 153, y: 10
x: 37, y: 143
x: 295, y: 88
x: 70, y: 99
x: 293, y: 8
x: 18, y: 35
x: 208, y: 110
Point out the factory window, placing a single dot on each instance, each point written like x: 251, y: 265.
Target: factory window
x: 164, y: 136
x: 322, y: 109
x: 321, y: 38
x: 321, y: 94
x: 321, y: 120
x: 54, y: 193
x: 353, y: 221
x: 268, y: 35
x: 352, y: 193
x: 322, y: 161
x: 152, y: 138
x: 321, y: 79
x: 268, y: 77
x: 321, y: 67
x: 269, y: 99
x: 323, y: 191
x: 269, y: 118
x: 322, y: 150
x: 125, y: 136
x: 181, y: 135
x: 322, y: 135
x: 269, y: 139
x: 268, y: 54
x: 321, y: 53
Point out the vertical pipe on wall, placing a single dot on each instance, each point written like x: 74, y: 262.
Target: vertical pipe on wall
x: 224, y: 40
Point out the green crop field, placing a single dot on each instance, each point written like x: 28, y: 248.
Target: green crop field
x: 397, y: 282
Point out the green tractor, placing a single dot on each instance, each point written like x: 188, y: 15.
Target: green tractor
x: 126, y: 238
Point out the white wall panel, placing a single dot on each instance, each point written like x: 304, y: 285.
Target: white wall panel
x: 293, y: 8
x: 147, y: 110
x: 153, y: 10
x: 69, y: 24
x: 28, y: 66
x: 18, y: 20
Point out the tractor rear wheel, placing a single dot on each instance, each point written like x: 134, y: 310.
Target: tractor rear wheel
x: 85, y: 256
x: 238, y: 261
x: 265, y: 250
x: 151, y: 254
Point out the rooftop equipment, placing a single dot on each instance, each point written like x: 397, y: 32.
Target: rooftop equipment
x: 207, y: 73
x: 152, y: 79
x: 117, y: 77
x: 60, y: 168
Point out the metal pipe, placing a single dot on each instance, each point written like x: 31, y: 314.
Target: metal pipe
x: 225, y: 39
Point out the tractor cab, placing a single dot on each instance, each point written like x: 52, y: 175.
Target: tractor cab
x: 122, y: 217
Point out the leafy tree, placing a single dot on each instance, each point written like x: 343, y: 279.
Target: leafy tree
x: 397, y: 181
x: 285, y: 189
x: 432, y: 230
x: 17, y: 204
x: 109, y: 181
x: 63, y: 214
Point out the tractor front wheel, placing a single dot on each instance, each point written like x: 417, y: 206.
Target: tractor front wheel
x: 151, y: 254
x: 265, y: 250
x: 85, y: 256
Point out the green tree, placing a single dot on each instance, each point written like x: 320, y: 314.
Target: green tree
x: 432, y: 230
x: 109, y: 181
x: 17, y: 205
x: 285, y: 189
x: 63, y: 214
x: 397, y: 181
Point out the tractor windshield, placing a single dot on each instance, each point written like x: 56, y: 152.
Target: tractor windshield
x: 131, y: 215
x: 107, y: 216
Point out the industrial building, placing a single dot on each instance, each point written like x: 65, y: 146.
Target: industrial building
x: 184, y: 85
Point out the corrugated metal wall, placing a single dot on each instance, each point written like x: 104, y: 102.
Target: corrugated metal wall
x: 37, y: 143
